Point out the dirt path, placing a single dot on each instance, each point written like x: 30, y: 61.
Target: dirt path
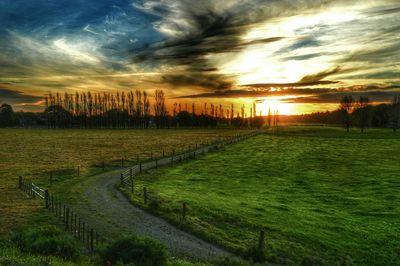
x: 108, y: 210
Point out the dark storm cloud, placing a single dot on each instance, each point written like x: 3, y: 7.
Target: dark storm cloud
x: 218, y: 82
x: 11, y: 96
x: 212, y: 31
x: 309, y: 80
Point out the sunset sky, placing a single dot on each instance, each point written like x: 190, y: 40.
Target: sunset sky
x: 297, y: 56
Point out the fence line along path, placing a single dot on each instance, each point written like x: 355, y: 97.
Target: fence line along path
x: 127, y: 175
x: 112, y: 214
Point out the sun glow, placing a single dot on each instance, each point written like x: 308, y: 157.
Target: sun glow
x: 273, y: 104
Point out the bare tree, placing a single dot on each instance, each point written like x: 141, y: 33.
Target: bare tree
x: 160, y: 111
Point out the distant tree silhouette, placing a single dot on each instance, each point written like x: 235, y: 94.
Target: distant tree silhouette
x: 362, y: 111
x: 395, y: 112
x: 346, y: 107
x: 160, y: 110
x: 6, y: 115
x: 269, y: 117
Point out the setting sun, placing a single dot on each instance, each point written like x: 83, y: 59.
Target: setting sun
x: 275, y: 104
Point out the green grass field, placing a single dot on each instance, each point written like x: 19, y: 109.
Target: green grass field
x: 323, y: 196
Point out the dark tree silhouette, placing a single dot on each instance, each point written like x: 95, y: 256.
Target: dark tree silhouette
x: 362, y: 111
x: 6, y: 115
x: 346, y: 107
x: 395, y: 112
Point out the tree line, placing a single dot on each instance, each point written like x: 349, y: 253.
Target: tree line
x: 133, y: 109
x: 360, y: 113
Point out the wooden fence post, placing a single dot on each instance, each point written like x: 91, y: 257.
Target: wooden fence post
x: 184, y: 210
x: 46, y: 199
x: 130, y: 173
x: 83, y: 232
x: 156, y: 163
x: 132, y: 185
x: 71, y: 221
x: 91, y: 240
x: 64, y: 213
x: 122, y: 179
x: 87, y: 237
x: 20, y: 182
x: 163, y: 153
x: 261, y: 240
x: 79, y: 228
x: 31, y: 190
x: 140, y: 167
x: 52, y: 203
x: 75, y: 220
x: 145, y: 195
x: 67, y: 218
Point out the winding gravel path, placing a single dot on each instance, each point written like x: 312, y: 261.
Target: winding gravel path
x: 108, y: 210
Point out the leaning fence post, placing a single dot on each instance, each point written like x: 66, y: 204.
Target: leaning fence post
x: 261, y: 240
x: 31, y: 191
x: 46, y: 198
x: 20, y: 182
x: 145, y: 195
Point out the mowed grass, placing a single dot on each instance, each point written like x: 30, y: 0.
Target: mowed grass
x: 323, y: 196
x: 34, y: 153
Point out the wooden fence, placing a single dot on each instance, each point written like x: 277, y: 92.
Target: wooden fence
x: 71, y: 220
x: 84, y: 232
x: 127, y: 178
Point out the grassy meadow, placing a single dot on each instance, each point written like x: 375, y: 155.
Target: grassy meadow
x: 35, y: 153
x: 323, y: 196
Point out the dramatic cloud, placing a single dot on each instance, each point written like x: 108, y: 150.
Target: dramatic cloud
x: 207, y: 49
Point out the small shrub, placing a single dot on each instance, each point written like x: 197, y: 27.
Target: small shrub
x: 227, y: 261
x: 137, y: 251
x: 48, y: 240
x: 154, y: 205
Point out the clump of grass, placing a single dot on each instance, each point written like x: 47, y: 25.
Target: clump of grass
x: 46, y: 240
x: 135, y: 251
